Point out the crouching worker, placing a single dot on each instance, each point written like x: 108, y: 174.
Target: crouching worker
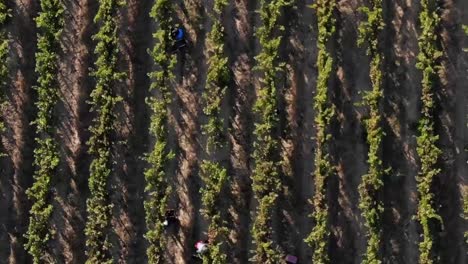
x: 178, y: 36
x: 170, y: 218
x: 202, y: 249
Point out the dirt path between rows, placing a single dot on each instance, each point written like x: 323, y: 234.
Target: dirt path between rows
x: 185, y: 118
x: 400, y: 118
x: 349, y: 146
x: 461, y: 116
x: 296, y: 127
x: 18, y: 139
x: 238, y: 23
x: 70, y: 183
x: 401, y: 113
x: 451, y: 123
x: 131, y: 145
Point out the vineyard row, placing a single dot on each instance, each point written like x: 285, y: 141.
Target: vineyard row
x: 213, y: 170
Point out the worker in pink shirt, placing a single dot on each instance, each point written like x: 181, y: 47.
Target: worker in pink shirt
x: 202, y: 247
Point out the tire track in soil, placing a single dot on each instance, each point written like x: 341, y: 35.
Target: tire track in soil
x: 19, y: 136
x: 70, y: 183
x: 451, y: 124
x: 128, y: 184
x: 240, y: 43
x: 401, y: 114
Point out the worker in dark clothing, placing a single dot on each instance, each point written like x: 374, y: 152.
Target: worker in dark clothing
x: 178, y: 35
x: 170, y: 218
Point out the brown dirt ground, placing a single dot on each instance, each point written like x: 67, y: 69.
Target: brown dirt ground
x: 18, y: 140
x: 292, y: 223
x: 401, y: 114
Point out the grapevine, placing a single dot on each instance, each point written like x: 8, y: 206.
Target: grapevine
x: 318, y: 238
x: 5, y: 13
x: 46, y: 157
x: 157, y: 186
x: 213, y: 173
x: 428, y: 152
x: 265, y: 176
x: 102, y: 104
x: 372, y: 184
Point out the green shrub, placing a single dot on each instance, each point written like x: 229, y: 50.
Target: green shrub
x: 465, y: 214
x: 5, y: 13
x: 213, y: 173
x: 102, y: 103
x: 265, y: 176
x: 46, y: 157
x: 215, y: 178
x: 428, y: 152
x: 157, y: 186
x: 325, y: 111
x: 372, y: 184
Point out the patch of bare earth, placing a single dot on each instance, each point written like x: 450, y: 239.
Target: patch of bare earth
x: 239, y: 45
x: 127, y: 184
x: 185, y: 121
x: 296, y: 124
x: 401, y: 113
x: 461, y: 116
x: 349, y: 147
x: 451, y: 124
x: 292, y: 221
x: 70, y: 183
x: 18, y: 139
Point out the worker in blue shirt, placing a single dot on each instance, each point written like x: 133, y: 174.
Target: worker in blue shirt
x: 178, y: 35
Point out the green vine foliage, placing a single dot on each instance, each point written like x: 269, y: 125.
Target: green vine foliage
x: 372, y: 184
x: 102, y: 104
x: 5, y: 13
x: 428, y: 62
x: 215, y: 177
x: 157, y: 185
x: 265, y: 175
x: 318, y: 238
x: 217, y: 79
x: 465, y: 30
x: 213, y: 173
x: 50, y: 23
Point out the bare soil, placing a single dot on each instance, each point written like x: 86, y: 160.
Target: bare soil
x: 298, y: 51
